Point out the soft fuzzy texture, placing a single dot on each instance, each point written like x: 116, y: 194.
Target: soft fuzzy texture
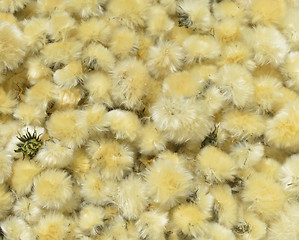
x: 152, y: 224
x: 195, y: 15
x: 269, y: 46
x: 289, y: 176
x: 6, y: 165
x: 168, y: 182
x: 215, y: 165
x: 7, y: 102
x: 17, y: 228
x: 130, y: 83
x: 123, y: 42
x: 131, y: 197
x: 282, y: 130
x: 199, y: 48
x: 12, y: 46
x: 247, y: 155
x: 149, y: 119
x: 69, y: 76
x: 164, y: 58
x: 181, y: 84
x: 6, y: 200
x: 23, y: 173
x: 225, y: 205
x: 52, y: 189
x: 54, y: 155
x: 113, y: 159
x: 96, y: 56
x: 235, y: 82
x: 52, y: 225
x: 181, y: 119
x: 150, y: 140
x: 124, y: 124
x: 190, y: 220
x: 65, y: 126
x: 96, y: 190
x: 27, y: 209
x: 91, y: 218
x: 289, y: 70
x: 218, y: 232
x: 269, y: 203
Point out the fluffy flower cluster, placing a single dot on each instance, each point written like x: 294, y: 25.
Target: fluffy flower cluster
x: 149, y: 119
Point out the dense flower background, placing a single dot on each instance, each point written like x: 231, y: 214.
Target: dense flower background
x: 149, y: 119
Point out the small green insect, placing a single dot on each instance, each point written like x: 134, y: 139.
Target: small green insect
x: 29, y: 145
